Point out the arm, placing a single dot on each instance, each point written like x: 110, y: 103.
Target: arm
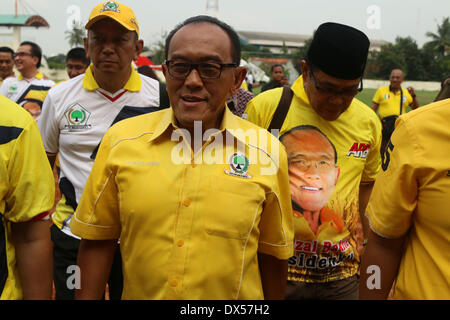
x: 34, y: 258
x: 385, y: 254
x: 94, y: 260
x: 365, y: 190
x: 273, y: 276
x: 415, y: 103
x: 375, y: 106
x: 51, y: 159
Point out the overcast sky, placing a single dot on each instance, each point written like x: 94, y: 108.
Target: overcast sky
x: 379, y: 19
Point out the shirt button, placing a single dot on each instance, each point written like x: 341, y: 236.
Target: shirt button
x: 173, y: 283
x: 180, y: 243
x: 187, y: 203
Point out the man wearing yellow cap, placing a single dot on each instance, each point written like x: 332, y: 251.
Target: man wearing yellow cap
x: 77, y: 113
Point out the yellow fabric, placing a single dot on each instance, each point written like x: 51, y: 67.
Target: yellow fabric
x: 356, y: 135
x: 188, y: 230
x: 26, y: 181
x: 412, y: 198
x: 389, y: 102
x: 38, y: 76
x: 133, y: 84
x: 114, y: 10
x: 244, y: 85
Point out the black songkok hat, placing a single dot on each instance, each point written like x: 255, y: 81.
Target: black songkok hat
x: 339, y: 50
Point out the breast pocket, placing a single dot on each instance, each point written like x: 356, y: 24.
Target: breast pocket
x: 233, y: 207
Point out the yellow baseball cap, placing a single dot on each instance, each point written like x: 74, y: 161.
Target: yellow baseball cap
x: 114, y: 10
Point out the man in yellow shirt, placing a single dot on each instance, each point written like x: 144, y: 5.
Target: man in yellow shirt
x: 325, y: 264
x: 26, y: 196
x: 202, y: 212
x: 391, y: 101
x: 409, y: 211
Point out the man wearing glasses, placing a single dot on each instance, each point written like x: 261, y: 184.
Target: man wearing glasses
x: 195, y: 229
x: 324, y: 97
x: 30, y: 88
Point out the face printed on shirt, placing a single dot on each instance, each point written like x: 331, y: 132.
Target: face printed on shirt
x: 313, y: 173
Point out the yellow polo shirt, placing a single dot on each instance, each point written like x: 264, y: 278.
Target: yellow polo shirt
x: 190, y: 226
x: 389, y: 102
x: 412, y: 197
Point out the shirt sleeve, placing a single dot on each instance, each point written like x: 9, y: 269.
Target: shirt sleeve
x: 373, y: 162
x: 97, y: 214
x: 409, y: 98
x: 48, y: 126
x: 377, y: 96
x: 276, y: 225
x: 31, y: 185
x: 394, y: 195
x: 261, y: 108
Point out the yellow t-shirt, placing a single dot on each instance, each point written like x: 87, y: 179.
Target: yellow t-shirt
x: 190, y: 226
x: 389, y: 102
x: 26, y: 186
x: 411, y: 198
x: 326, y: 255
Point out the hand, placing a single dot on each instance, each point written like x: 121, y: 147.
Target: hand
x: 411, y: 91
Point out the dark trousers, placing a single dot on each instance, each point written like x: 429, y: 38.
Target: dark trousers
x: 65, y: 250
x: 345, y: 289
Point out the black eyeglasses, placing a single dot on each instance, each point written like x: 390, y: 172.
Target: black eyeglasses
x: 180, y: 69
x: 21, y: 54
x: 347, y: 93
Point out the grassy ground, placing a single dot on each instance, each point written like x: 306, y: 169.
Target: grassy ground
x: 424, y: 97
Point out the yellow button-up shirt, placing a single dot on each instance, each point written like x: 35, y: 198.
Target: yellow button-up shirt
x: 190, y: 225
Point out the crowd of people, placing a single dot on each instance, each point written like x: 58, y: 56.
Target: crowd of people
x: 158, y: 190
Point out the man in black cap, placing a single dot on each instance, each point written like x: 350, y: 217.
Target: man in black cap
x: 327, y: 249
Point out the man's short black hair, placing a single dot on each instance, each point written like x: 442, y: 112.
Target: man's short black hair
x: 78, y: 54
x: 310, y: 127
x: 235, y: 43
x: 7, y: 50
x: 276, y: 65
x: 35, y: 51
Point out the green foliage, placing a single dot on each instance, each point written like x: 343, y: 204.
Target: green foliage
x: 57, y: 62
x: 76, y: 35
x: 158, y: 48
x: 429, y: 63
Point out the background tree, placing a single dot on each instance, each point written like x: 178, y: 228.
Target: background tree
x: 441, y: 40
x: 76, y: 35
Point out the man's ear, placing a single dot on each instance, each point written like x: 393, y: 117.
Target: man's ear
x: 139, y: 47
x: 239, y: 76
x: 305, y: 70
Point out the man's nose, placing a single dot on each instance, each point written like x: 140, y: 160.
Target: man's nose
x: 193, y: 79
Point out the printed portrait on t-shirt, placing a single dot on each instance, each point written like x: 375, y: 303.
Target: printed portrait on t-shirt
x: 313, y: 175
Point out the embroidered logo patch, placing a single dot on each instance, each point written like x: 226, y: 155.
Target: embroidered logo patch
x: 239, y: 165
x: 111, y: 6
x: 77, y: 118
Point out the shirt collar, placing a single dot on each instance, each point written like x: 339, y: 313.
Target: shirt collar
x: 299, y: 90
x: 229, y: 121
x: 38, y: 76
x: 133, y: 84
